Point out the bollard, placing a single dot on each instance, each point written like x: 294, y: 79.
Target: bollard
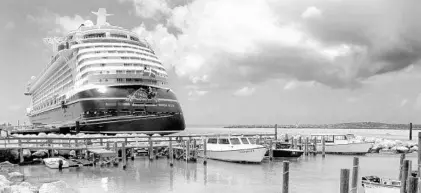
x: 205, y: 152
x: 344, y: 183
x: 354, y: 182
x: 285, y: 182
x: 60, y: 165
x: 324, y: 147
x: 270, y: 150
x: 401, y: 165
x: 171, y: 153
x: 124, y: 155
x: 404, y: 177
x: 413, y: 184
x: 150, y: 149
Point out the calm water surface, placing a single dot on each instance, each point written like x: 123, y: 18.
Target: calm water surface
x: 307, y: 174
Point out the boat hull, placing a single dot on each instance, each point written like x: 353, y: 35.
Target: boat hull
x: 378, y: 188
x: 346, y: 149
x: 53, y: 163
x: 117, y: 110
x: 252, y: 155
x: 286, y: 153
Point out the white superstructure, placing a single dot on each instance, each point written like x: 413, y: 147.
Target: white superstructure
x: 94, y: 56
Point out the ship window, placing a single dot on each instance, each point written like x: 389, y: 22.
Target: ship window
x: 95, y: 35
x: 118, y: 35
x: 339, y: 137
x: 223, y: 141
x: 244, y: 141
x: 134, y: 38
x: 212, y: 140
x: 252, y: 140
x: 235, y: 141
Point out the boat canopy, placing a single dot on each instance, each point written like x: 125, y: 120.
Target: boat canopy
x: 231, y: 140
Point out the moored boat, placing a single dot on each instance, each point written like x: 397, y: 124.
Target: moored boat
x: 374, y: 184
x: 342, y: 144
x: 283, y: 149
x: 233, y: 149
x: 53, y: 162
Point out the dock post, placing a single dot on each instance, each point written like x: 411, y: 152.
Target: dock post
x: 205, y: 154
x: 344, y: 186
x: 323, y: 147
x: 171, y: 152
x: 410, y: 131
x: 188, y: 150
x: 286, y: 137
x: 314, y: 146
x: 101, y: 142
x: 292, y: 142
x: 276, y: 131
x: 21, y: 159
x: 108, y: 145
x: 285, y: 177
x: 270, y: 150
x: 150, y: 149
x: 402, y: 159
x: 404, y: 177
x: 194, y: 150
x: 419, y: 154
x: 300, y: 143
x: 354, y: 182
x: 260, y: 139
x: 306, y: 147
x: 132, y: 153
x: 123, y: 151
x: 413, y: 184
x: 77, y: 127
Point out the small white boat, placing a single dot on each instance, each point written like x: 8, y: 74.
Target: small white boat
x: 234, y: 149
x: 374, y: 184
x: 53, y: 162
x: 341, y: 144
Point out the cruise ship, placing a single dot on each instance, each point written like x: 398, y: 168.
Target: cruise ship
x: 103, y: 79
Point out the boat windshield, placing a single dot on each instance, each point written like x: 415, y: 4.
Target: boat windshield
x: 235, y: 141
x: 244, y: 140
x: 340, y: 137
x: 223, y: 141
x: 252, y: 140
x: 212, y: 141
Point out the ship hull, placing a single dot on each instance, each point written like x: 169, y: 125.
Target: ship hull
x: 119, y: 109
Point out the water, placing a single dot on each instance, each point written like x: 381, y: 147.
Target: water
x: 307, y: 174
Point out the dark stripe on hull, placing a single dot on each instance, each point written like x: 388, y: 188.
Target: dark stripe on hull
x: 111, y: 112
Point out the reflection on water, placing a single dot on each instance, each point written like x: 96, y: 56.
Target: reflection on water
x: 142, y: 175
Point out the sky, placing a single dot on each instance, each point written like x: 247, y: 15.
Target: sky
x: 244, y: 61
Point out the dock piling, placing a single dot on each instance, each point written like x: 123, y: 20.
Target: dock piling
x: 314, y: 146
x: 21, y: 159
x: 276, y: 131
x: 354, y: 182
x: 285, y: 181
x: 204, y: 152
x: 188, y: 150
x: 410, y: 131
x: 344, y: 183
x: 194, y: 150
x: 270, y: 150
x: 306, y: 147
x: 413, y: 184
x: 419, y: 154
x: 124, y: 155
x: 404, y: 178
x: 171, y: 153
x: 323, y: 147
x: 300, y: 143
x: 401, y: 165
x: 132, y: 153
x: 150, y: 149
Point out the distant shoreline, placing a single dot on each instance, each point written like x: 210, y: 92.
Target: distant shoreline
x: 359, y: 125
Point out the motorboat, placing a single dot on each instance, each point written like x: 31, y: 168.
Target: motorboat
x: 53, y: 162
x: 233, y: 149
x: 374, y: 184
x: 284, y: 149
x: 341, y: 144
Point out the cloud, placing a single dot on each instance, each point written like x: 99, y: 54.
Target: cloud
x: 249, y: 42
x: 150, y: 8
x: 195, y: 94
x: 311, y: 12
x: 245, y: 91
x: 10, y: 25
x: 295, y: 84
x: 55, y: 24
